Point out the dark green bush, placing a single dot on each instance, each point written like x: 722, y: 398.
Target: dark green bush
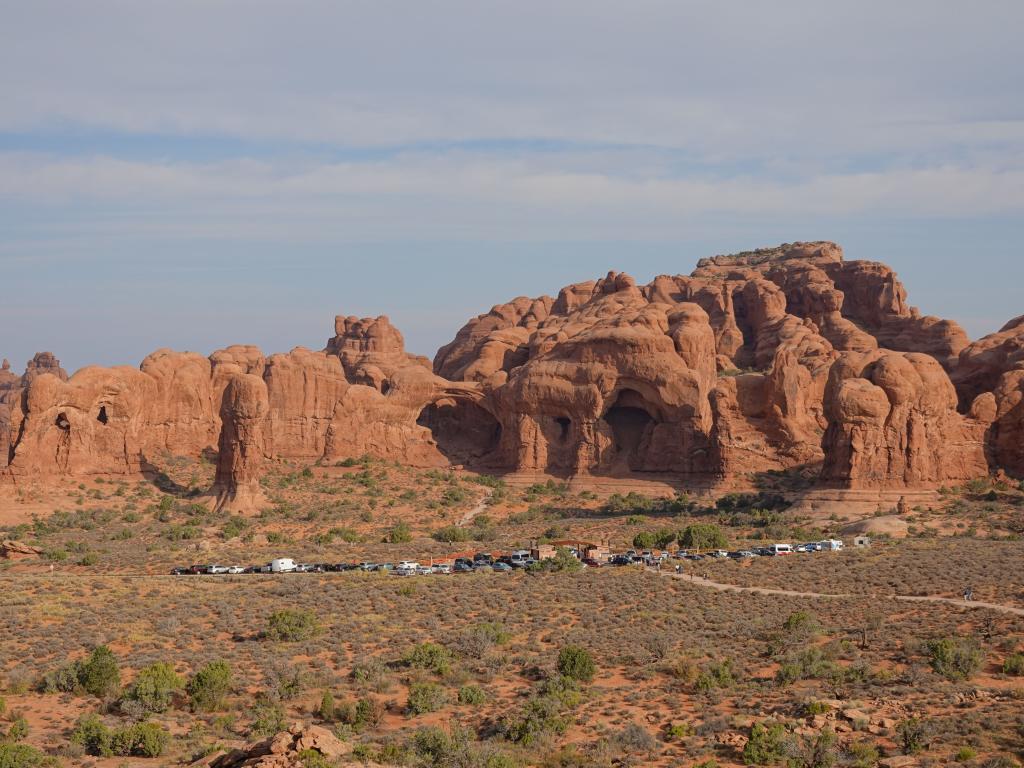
x: 426, y: 697
x: 155, y: 686
x: 210, y: 686
x: 769, y: 744
x: 576, y: 663
x: 955, y: 658
x: 291, y: 625
x: 99, y: 674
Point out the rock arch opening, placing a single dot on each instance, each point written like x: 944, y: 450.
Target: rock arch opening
x: 465, y: 433
x: 101, y: 417
x: 62, y: 421
x: 631, y: 420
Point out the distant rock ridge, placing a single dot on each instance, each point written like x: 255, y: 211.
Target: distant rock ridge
x: 778, y: 359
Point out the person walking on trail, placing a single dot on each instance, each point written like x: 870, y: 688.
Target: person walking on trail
x: 969, y: 594
x: 679, y: 569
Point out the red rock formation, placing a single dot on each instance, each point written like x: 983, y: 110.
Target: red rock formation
x: 758, y: 361
x: 243, y: 411
x: 893, y: 423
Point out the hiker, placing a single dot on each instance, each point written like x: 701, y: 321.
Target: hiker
x: 679, y: 569
x: 968, y: 594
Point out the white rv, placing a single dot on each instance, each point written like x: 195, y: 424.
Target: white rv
x: 282, y: 565
x: 831, y: 545
x: 781, y: 549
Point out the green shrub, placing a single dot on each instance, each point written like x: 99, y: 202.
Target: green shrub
x: 915, y: 735
x: 155, y: 686
x: 327, y: 707
x: 430, y: 656
x: 426, y: 697
x: 401, y: 533
x: 955, y: 658
x: 1014, y: 665
x: 93, y: 736
x: 23, y: 756
x: 234, y: 527
x: 472, y: 695
x: 140, y: 740
x: 702, y: 536
x: 62, y: 680
x: 99, y: 674
x: 717, y: 674
x: 861, y: 754
x: 268, y: 719
x: 210, y: 686
x: 291, y: 625
x: 18, y: 730
x: 769, y: 744
x: 966, y: 754
x: 576, y: 663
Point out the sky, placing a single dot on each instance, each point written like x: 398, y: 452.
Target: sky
x: 196, y: 173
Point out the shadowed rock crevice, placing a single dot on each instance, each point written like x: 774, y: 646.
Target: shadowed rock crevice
x: 464, y: 432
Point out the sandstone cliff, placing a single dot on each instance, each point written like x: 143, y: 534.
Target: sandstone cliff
x: 789, y: 357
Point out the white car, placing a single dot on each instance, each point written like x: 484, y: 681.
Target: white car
x: 443, y: 568
x: 424, y: 570
x: 218, y: 569
x: 236, y: 569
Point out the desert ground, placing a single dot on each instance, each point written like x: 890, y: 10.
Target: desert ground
x: 811, y: 660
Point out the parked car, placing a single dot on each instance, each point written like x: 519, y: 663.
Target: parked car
x: 592, y: 563
x: 520, y: 558
x: 779, y: 550
x: 461, y: 566
x: 407, y: 565
x: 366, y: 566
x: 501, y: 567
x: 234, y: 569
x: 694, y: 557
x: 442, y: 568
x: 831, y: 545
x: 385, y: 567
x: 216, y: 569
x: 620, y: 560
x: 425, y: 570
x: 718, y: 553
x: 483, y: 557
x: 182, y: 572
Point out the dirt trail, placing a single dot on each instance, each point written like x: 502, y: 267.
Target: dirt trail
x: 477, y: 510
x: 722, y: 587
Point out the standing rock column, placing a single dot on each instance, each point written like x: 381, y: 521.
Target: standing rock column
x: 243, y: 410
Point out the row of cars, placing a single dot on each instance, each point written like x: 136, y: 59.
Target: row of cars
x: 479, y: 561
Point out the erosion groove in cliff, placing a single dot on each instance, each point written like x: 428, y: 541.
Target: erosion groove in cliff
x: 787, y: 358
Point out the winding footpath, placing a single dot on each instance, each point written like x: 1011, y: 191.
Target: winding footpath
x: 475, y: 511
x: 723, y: 587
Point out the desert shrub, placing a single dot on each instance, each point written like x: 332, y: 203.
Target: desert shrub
x: 915, y: 735
x: 801, y: 626
x: 678, y: 731
x: 818, y: 751
x: 93, y: 736
x: 702, y: 536
x: 155, y: 686
x: 234, y: 527
x: 18, y: 730
x: 540, y: 715
x: 769, y: 744
x: 62, y: 680
x: 576, y: 663
x: 634, y: 738
x: 861, y: 754
x: 23, y: 756
x: 267, y: 719
x: 644, y: 540
x: 426, y: 697
x: 401, y: 533
x: 99, y: 674
x: 327, y: 708
x: 452, y: 534
x: 139, y: 740
x: 437, y: 748
x: 472, y: 695
x: 955, y: 658
x: 563, y: 560
x: 717, y: 674
x: 290, y: 625
x: 1014, y: 665
x: 368, y: 712
x: 430, y: 656
x: 966, y: 754
x: 210, y: 686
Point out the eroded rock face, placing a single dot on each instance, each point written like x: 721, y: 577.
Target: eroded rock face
x: 893, y: 423
x: 242, y: 446
x: 755, y: 362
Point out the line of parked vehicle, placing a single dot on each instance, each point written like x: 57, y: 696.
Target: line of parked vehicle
x: 506, y: 563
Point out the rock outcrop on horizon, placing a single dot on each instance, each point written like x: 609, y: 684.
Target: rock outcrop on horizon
x: 765, y: 361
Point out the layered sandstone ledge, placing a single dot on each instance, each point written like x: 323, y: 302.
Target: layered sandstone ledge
x: 778, y: 359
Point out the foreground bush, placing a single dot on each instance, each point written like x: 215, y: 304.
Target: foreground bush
x: 210, y: 686
x: 425, y: 698
x: 290, y: 625
x: 768, y: 744
x: 98, y: 675
x: 576, y: 663
x: 139, y: 740
x: 24, y: 756
x: 955, y: 658
x: 155, y: 686
x: 702, y: 536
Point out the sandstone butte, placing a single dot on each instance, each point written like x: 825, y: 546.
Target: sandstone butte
x: 788, y: 358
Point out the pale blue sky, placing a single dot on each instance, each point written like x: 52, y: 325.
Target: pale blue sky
x: 196, y: 173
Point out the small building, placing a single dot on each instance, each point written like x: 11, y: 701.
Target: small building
x: 862, y: 541
x: 543, y: 552
x: 600, y: 551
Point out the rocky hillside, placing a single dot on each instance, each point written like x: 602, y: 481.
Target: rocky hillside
x: 765, y: 361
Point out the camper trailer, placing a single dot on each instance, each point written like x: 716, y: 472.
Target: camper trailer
x: 831, y: 545
x: 282, y: 565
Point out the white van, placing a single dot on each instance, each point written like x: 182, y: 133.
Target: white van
x: 407, y: 566
x: 831, y: 545
x: 282, y: 565
x: 781, y: 549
